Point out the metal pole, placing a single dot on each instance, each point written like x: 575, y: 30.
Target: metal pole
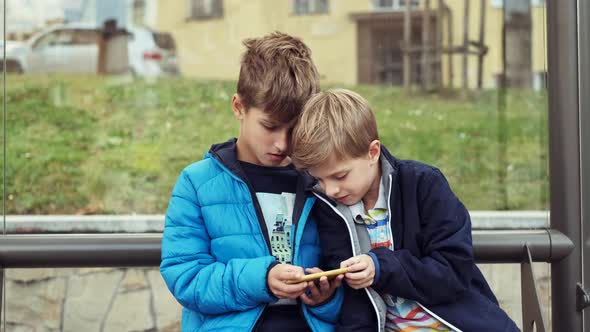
x: 426, y: 48
x: 584, y: 81
x: 482, y: 26
x: 407, y: 45
x: 465, y: 43
x: 450, y: 58
x: 440, y: 13
x: 564, y: 159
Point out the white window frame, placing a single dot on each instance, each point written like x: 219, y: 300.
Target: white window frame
x: 497, y: 4
x: 312, y: 7
x: 396, y: 5
x: 212, y: 9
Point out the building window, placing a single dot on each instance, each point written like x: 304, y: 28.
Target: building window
x: 497, y: 3
x: 394, y: 4
x: 306, y: 7
x: 500, y: 3
x: 203, y: 9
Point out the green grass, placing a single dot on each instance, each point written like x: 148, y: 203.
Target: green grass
x: 77, y: 144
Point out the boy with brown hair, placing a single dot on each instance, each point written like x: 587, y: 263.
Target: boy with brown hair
x: 395, y: 224
x: 238, y: 225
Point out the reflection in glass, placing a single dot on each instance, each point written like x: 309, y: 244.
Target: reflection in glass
x: 82, y: 143
x: 96, y: 144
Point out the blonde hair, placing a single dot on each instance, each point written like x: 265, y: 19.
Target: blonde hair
x: 336, y: 123
x: 277, y: 75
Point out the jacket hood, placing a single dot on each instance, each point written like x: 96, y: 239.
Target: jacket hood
x: 226, y: 154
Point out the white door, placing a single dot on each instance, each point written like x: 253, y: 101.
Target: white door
x: 45, y: 53
x: 83, y: 52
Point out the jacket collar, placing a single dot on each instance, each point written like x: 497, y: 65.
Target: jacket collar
x: 390, y: 167
x: 226, y: 154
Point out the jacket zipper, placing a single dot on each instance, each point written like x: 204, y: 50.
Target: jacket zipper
x: 264, y: 232
x: 440, y: 319
x: 295, y: 227
x: 354, y: 254
x: 393, y: 246
x: 294, y: 249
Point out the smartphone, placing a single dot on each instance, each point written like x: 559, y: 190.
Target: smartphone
x: 317, y: 276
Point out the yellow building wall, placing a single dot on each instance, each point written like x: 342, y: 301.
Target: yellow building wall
x: 211, y: 48
x: 492, y: 61
x: 332, y: 37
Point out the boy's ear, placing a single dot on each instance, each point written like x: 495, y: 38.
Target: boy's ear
x: 374, y: 151
x: 237, y: 106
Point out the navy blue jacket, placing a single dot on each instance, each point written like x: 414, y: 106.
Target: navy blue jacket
x: 432, y: 262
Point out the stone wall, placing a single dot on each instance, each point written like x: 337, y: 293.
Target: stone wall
x: 136, y: 299
x: 97, y: 299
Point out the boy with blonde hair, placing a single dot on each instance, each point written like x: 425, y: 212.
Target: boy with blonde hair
x: 395, y: 224
x: 238, y: 227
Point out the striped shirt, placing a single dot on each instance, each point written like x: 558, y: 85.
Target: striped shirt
x: 402, y: 314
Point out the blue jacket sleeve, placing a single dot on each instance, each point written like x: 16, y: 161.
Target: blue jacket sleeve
x: 443, y: 271
x: 191, y: 272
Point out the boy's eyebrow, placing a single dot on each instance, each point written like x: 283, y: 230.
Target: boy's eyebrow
x: 271, y: 121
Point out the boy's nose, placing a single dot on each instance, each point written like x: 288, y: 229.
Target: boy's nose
x: 332, y: 190
x: 282, y: 141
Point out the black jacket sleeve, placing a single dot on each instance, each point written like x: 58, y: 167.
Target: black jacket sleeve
x: 334, y: 236
x: 443, y: 270
x: 357, y: 313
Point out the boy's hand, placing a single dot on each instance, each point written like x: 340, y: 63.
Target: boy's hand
x: 317, y: 295
x: 277, y: 281
x: 361, y: 271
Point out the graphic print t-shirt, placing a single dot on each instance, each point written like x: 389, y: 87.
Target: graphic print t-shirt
x: 275, y: 190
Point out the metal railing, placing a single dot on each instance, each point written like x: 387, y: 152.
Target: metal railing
x: 95, y: 250
x: 127, y: 250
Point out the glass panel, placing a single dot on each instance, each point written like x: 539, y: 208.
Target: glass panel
x: 584, y: 72
x: 4, y: 65
x: 102, y: 118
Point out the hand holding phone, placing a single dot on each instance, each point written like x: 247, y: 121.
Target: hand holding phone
x: 317, y: 276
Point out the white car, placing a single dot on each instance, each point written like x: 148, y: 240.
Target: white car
x: 73, y: 48
x: 14, y: 55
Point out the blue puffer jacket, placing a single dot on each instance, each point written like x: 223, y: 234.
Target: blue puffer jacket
x: 215, y: 248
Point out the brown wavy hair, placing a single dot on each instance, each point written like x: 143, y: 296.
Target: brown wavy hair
x: 277, y: 75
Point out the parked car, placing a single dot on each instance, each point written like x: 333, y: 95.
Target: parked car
x: 73, y: 48
x: 14, y: 51
x: 152, y: 53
